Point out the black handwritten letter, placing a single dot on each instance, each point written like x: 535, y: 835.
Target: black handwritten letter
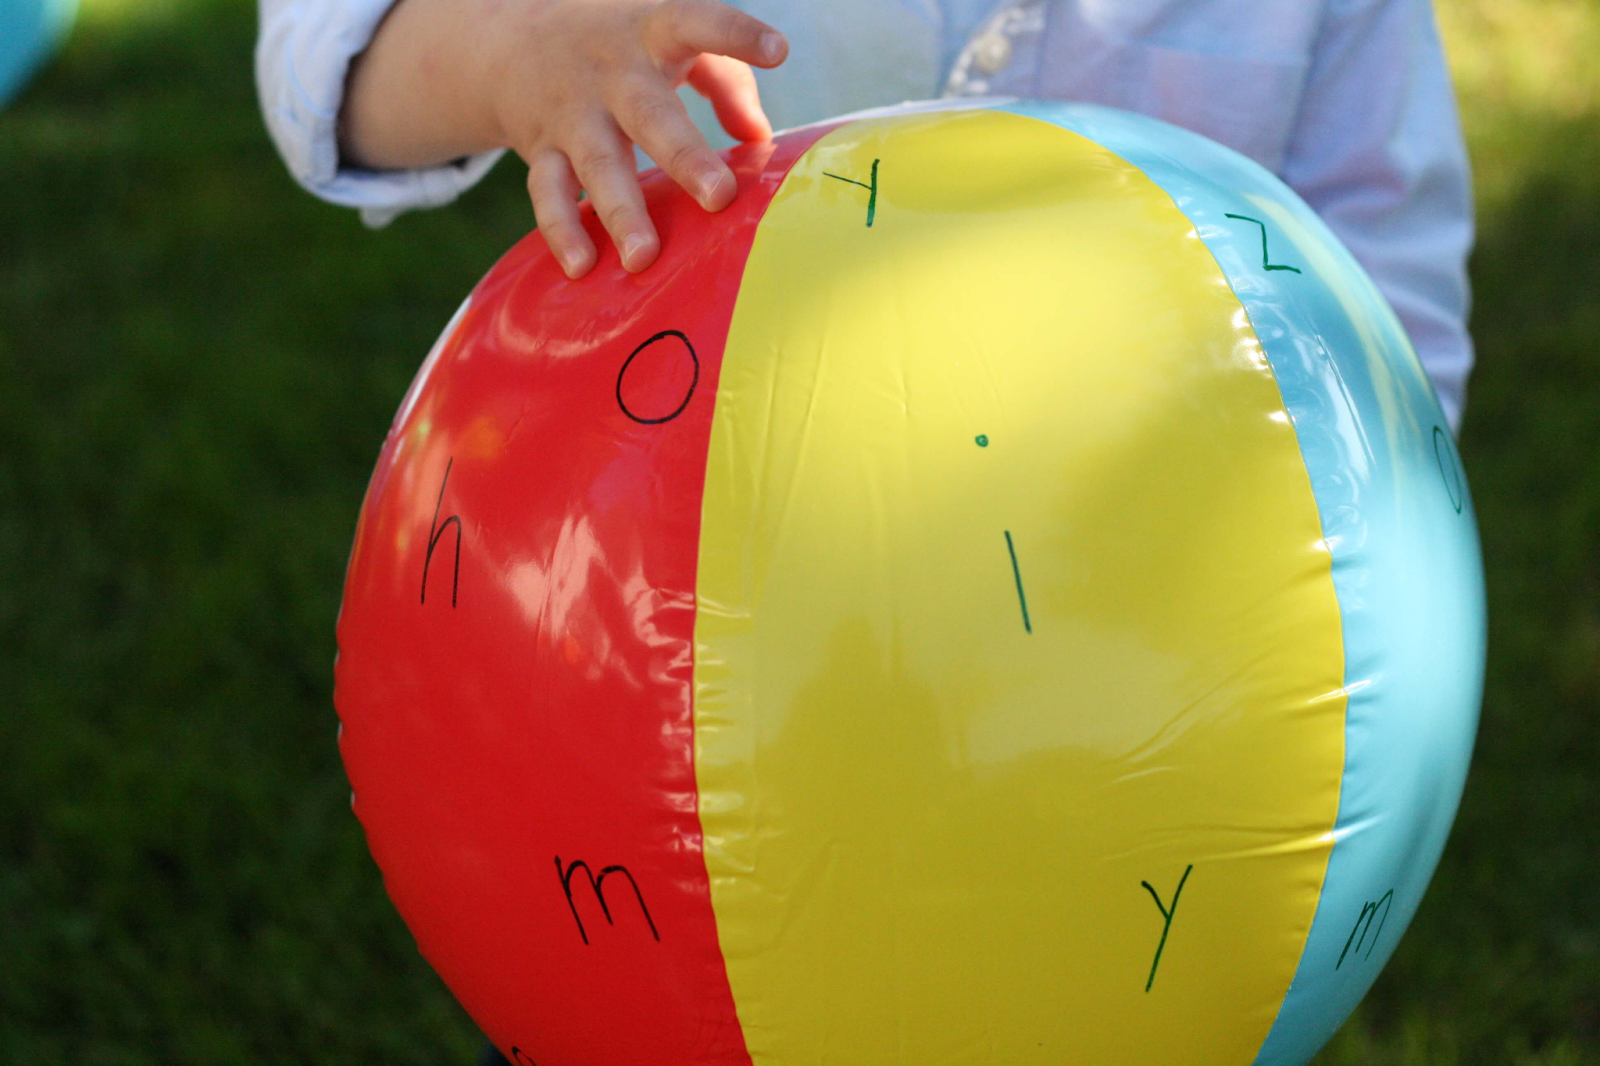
x: 665, y: 356
x: 436, y: 531
x: 597, y: 885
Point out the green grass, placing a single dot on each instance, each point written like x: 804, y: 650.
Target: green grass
x: 197, y: 362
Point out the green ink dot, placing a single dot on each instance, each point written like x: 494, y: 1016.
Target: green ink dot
x: 983, y: 440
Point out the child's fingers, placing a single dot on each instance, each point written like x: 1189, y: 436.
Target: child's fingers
x: 553, y: 188
x: 680, y: 30
x: 603, y: 161
x: 730, y: 85
x: 653, y: 116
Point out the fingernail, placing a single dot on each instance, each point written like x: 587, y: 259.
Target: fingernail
x: 771, y: 46
x: 709, y: 184
x: 571, y: 261
x: 631, y: 245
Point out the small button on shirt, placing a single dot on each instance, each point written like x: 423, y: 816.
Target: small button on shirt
x: 991, y: 52
x: 1348, y: 101
x: 963, y: 27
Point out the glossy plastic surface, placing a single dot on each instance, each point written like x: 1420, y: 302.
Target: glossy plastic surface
x: 530, y: 704
x: 1398, y: 520
x: 928, y: 814
x: 933, y: 615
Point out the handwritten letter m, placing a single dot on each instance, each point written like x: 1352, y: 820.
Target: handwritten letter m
x: 597, y: 885
x: 1363, y: 926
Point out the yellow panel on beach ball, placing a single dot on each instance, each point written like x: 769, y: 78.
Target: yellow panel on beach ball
x: 1018, y: 660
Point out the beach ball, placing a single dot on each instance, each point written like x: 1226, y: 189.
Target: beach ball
x: 29, y: 31
x: 1001, y: 592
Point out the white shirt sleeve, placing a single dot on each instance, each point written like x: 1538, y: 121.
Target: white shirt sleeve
x: 303, y: 54
x: 1377, y: 151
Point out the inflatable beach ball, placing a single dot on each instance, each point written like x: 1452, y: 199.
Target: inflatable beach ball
x: 29, y: 31
x: 1001, y: 592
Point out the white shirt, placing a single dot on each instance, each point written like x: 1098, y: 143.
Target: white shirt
x: 1349, y: 101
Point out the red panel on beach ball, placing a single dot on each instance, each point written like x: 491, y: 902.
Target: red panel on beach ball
x: 516, y: 644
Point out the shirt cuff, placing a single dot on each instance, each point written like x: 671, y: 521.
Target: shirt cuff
x: 303, y: 57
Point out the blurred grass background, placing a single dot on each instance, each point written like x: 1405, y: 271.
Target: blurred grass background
x: 197, y: 364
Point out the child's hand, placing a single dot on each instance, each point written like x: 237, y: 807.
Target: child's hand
x: 604, y: 75
x: 570, y: 85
